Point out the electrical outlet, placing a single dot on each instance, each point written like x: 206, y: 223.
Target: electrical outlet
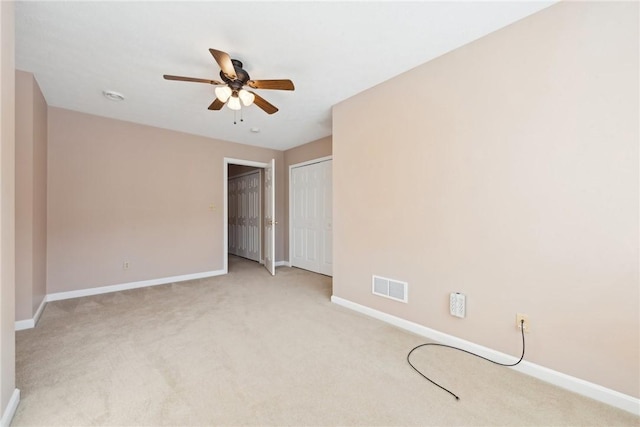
x: 526, y: 325
x: 125, y: 265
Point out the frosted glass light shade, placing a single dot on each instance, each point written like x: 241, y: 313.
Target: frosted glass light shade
x: 234, y: 103
x: 246, y: 97
x: 223, y: 93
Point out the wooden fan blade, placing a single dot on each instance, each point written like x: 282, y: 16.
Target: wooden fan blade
x: 264, y: 104
x: 216, y: 104
x: 271, y: 84
x: 192, y: 79
x: 224, y: 61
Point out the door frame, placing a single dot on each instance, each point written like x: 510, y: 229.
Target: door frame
x: 225, y: 204
x: 290, y: 226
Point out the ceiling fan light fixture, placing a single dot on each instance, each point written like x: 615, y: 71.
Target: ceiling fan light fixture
x: 234, y: 103
x: 223, y: 93
x: 246, y: 97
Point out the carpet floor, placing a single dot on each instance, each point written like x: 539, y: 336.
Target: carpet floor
x: 251, y: 349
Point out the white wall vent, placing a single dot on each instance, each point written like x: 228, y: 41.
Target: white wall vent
x: 389, y: 288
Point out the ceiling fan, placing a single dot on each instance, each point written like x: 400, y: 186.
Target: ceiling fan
x: 231, y: 90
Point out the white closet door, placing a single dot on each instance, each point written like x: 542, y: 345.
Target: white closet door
x: 244, y: 216
x: 253, y: 216
x: 303, y: 249
x: 311, y: 222
x: 233, y: 216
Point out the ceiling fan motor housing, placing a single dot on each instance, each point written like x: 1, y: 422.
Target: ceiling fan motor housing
x: 242, y: 77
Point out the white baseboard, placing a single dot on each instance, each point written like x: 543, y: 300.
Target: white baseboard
x: 31, y: 323
x: 10, y: 410
x: 283, y: 264
x: 132, y: 285
x: 278, y: 263
x: 39, y: 311
x: 21, y: 325
x: 577, y: 385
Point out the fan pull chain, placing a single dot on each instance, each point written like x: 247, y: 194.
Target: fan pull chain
x: 235, y: 116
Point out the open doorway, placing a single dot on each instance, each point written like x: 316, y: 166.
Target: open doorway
x: 245, y: 197
x: 261, y: 248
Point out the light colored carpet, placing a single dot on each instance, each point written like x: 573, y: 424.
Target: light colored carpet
x: 251, y: 349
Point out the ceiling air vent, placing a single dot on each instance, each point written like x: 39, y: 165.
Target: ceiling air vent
x: 389, y: 288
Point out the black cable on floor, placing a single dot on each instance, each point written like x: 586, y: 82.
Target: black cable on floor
x: 460, y: 349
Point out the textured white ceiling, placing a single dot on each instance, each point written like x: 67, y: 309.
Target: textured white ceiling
x: 331, y: 51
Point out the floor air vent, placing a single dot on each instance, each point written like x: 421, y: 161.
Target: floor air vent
x: 390, y: 288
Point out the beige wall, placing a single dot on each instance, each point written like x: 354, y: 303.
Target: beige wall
x: 506, y: 170
x: 120, y: 192
x: 31, y: 195
x: 302, y: 153
x: 7, y: 204
x: 24, y: 194
x: 40, y: 160
x: 310, y: 151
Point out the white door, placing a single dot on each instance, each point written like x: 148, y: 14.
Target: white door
x: 311, y: 217
x: 269, y: 218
